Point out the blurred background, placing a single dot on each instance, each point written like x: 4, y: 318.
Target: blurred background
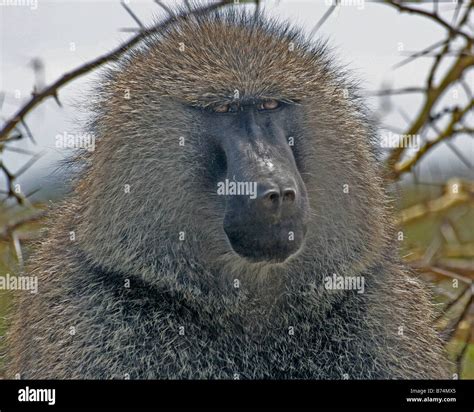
x: 413, y: 59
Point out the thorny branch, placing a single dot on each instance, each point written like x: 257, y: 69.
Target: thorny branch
x: 431, y: 15
x: 52, y: 89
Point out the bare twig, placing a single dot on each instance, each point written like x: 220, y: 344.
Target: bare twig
x: 405, y: 90
x: 449, y: 131
x: 433, y: 93
x: 133, y: 15
x: 7, y: 230
x: 166, y: 8
x: 323, y: 19
x: 462, y: 353
x: 52, y: 89
x: 452, y: 325
x: 453, y: 303
x: 433, y: 16
x: 415, y: 55
x: 464, y: 193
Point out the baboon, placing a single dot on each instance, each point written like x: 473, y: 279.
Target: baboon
x: 148, y: 272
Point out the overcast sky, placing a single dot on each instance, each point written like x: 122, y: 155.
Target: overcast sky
x: 369, y: 37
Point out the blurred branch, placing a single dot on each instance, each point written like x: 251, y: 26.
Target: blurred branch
x: 132, y: 15
x: 449, y: 131
x: 456, y: 192
x: 450, y: 305
x: 431, y: 15
x: 431, y: 98
x: 440, y: 271
x: 459, y: 251
x: 324, y: 17
x: 432, y: 93
x: 448, y: 332
x: 405, y: 90
x: 421, y: 53
x: 7, y: 230
x: 166, y: 8
x: 462, y: 353
x: 11, y: 192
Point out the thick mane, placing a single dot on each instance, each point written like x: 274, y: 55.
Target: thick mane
x: 213, y: 55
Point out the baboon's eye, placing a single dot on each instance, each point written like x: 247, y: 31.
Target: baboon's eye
x: 269, y: 105
x: 222, y: 108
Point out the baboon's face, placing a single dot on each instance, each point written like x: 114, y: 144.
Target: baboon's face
x: 265, y: 219
x: 251, y: 105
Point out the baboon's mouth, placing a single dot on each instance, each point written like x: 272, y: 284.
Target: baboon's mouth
x: 266, y: 243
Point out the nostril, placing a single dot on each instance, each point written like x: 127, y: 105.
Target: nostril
x: 289, y: 195
x: 271, y: 198
x: 274, y: 198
